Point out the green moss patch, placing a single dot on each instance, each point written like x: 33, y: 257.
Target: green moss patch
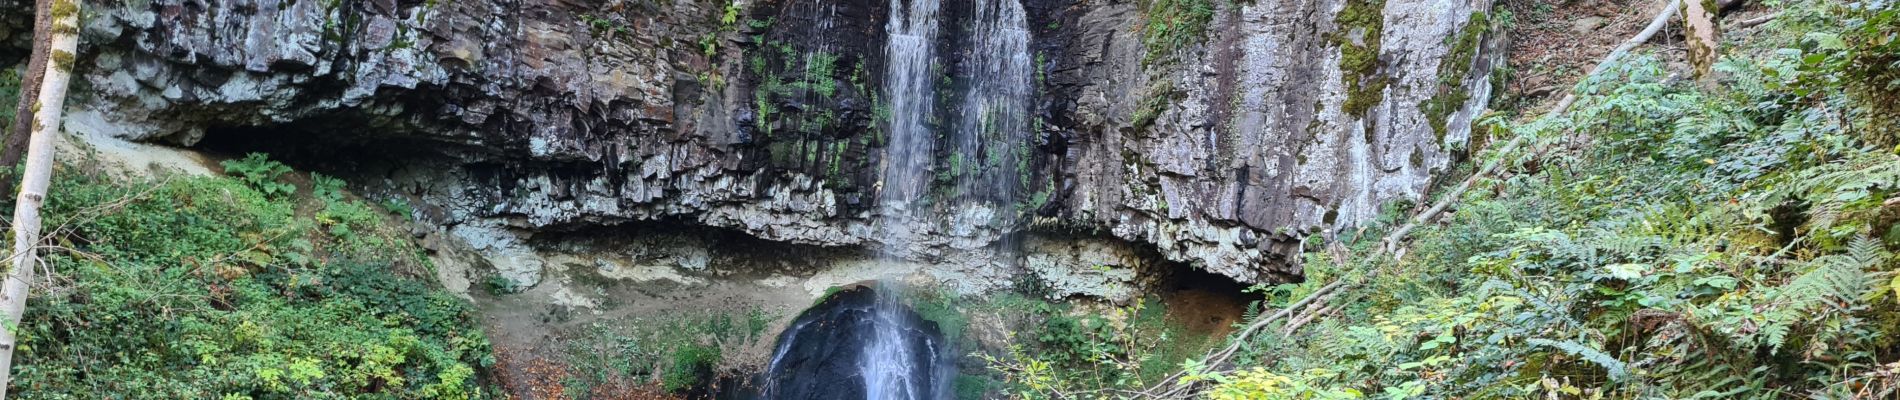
x: 1360, y: 26
x: 1452, y: 93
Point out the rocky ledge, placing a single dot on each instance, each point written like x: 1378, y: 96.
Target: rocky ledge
x: 1222, y: 146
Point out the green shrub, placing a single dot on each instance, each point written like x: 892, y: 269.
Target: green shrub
x: 215, y: 288
x: 679, y: 351
x: 690, y: 366
x: 326, y: 188
x: 1861, y: 58
x: 398, y: 207
x: 940, y: 308
x: 353, y: 223
x: 1120, y: 349
x: 974, y: 387
x: 498, y: 285
x: 9, y: 95
x: 1071, y: 340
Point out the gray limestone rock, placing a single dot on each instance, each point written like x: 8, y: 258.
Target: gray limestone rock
x: 510, y: 118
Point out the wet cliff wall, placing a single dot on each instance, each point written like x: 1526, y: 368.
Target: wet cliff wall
x: 1218, y: 133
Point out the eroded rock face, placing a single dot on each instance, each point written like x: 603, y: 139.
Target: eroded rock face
x: 515, y: 117
x: 1256, y: 146
x: 1095, y: 268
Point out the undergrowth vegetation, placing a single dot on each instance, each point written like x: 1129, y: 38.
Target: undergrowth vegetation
x: 680, y: 352
x: 9, y: 94
x: 1670, y: 241
x: 1063, y: 351
x: 231, y: 288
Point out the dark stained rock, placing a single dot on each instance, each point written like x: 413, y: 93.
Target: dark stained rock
x: 510, y: 115
x: 830, y: 352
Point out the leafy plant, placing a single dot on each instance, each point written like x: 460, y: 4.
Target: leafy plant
x: 398, y: 207
x: 680, y: 352
x: 326, y: 188
x: 1171, y: 25
x: 196, y: 287
x: 1124, y: 348
x: 261, y: 173
x: 9, y: 94
x: 690, y: 367
x: 498, y: 285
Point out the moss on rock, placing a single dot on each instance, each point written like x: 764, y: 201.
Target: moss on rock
x: 1360, y: 24
x: 1452, y: 92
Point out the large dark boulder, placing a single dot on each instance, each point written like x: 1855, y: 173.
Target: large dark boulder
x: 832, y: 352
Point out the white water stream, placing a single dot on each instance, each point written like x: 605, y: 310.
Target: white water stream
x: 897, y: 358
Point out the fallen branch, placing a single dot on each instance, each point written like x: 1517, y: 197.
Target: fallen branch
x: 1316, y: 301
x: 1655, y: 25
x: 1295, y: 325
x: 1752, y: 22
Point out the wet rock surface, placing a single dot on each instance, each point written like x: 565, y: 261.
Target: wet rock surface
x: 827, y: 352
x: 512, y: 118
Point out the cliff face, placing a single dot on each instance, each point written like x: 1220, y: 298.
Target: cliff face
x: 1221, y: 148
x: 1295, y: 118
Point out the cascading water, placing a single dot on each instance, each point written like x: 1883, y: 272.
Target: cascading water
x: 993, y: 128
x: 861, y: 343
x: 890, y: 363
x: 865, y: 344
x: 912, y: 33
x: 903, y: 360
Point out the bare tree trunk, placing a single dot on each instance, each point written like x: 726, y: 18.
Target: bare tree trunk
x: 1700, y: 29
x: 63, y: 42
x: 13, y: 143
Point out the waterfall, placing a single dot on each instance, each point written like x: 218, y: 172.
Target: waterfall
x: 992, y: 130
x: 901, y: 362
x: 862, y: 334
x: 889, y: 363
x: 912, y: 32
x: 873, y: 338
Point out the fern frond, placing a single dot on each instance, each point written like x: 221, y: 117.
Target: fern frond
x: 1867, y: 252
x: 1617, y: 369
x: 1836, y: 279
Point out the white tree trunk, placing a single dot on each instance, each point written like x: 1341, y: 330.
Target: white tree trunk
x: 38, y: 173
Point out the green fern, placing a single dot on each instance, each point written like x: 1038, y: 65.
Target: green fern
x: 1617, y: 369
x: 261, y: 173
